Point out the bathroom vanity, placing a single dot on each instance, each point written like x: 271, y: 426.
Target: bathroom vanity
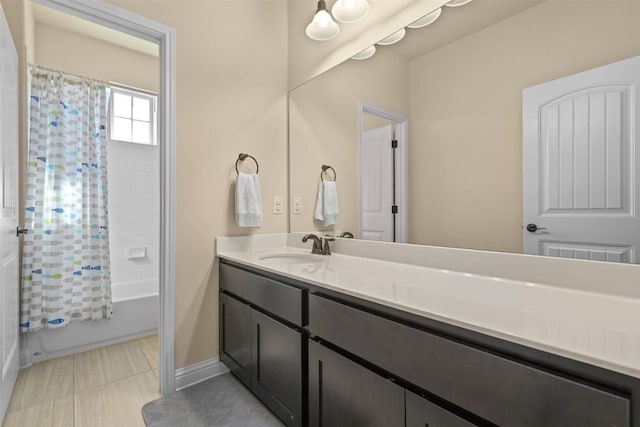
x: 346, y: 340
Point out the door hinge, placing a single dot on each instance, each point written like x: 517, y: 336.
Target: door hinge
x: 394, y: 143
x: 394, y: 209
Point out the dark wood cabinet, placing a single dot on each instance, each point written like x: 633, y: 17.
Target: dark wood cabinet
x: 235, y: 337
x: 315, y: 357
x: 343, y: 393
x: 277, y: 367
x: 263, y: 353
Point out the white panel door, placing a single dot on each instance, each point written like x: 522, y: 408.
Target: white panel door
x: 376, y: 184
x: 9, y: 320
x: 580, y: 166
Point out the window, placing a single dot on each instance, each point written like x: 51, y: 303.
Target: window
x: 132, y: 116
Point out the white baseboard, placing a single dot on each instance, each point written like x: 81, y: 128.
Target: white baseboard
x: 25, y: 359
x: 199, y: 372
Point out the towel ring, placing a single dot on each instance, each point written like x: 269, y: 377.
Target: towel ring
x: 242, y: 157
x: 324, y: 169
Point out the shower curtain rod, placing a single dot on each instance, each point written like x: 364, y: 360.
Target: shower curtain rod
x: 69, y: 75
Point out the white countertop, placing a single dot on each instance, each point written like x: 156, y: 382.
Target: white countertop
x: 594, y: 327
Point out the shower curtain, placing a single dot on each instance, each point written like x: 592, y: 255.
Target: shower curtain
x: 65, y: 266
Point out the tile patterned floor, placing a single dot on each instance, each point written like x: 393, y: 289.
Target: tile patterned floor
x: 102, y: 388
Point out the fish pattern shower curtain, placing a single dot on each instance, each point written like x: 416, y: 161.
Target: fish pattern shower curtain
x: 65, y: 266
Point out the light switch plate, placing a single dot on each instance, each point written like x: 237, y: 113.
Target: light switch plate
x: 277, y: 204
x: 297, y: 205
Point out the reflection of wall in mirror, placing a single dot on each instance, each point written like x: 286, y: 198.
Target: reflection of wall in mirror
x: 466, y: 115
x: 465, y: 136
x: 324, y: 130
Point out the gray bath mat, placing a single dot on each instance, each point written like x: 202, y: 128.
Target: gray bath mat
x: 220, y: 401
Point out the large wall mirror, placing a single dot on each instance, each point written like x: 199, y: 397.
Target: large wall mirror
x: 452, y: 93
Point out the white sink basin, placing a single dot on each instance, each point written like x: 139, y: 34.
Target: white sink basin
x: 293, y: 258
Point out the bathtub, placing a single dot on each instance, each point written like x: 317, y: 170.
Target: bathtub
x: 135, y: 314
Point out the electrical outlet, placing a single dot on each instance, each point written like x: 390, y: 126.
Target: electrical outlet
x: 277, y: 205
x: 297, y: 205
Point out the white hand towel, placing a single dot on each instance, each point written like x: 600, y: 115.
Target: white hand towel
x: 318, y: 213
x: 327, y: 203
x: 248, y: 200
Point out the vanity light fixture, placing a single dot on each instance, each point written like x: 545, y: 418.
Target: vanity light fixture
x: 427, y: 19
x: 456, y: 3
x: 322, y: 27
x: 393, y: 38
x: 348, y: 11
x: 365, y: 54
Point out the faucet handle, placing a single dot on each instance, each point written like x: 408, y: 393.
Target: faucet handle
x: 326, y: 250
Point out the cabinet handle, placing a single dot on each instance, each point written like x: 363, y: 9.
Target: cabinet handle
x: 320, y: 393
x: 224, y: 329
x: 258, y: 351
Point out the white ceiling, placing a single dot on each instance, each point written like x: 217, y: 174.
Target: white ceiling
x: 57, y: 19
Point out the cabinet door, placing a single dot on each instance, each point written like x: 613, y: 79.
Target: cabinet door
x: 422, y: 413
x: 277, y: 367
x: 235, y: 337
x: 343, y: 393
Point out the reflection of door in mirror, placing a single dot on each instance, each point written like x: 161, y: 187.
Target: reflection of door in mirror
x: 383, y: 171
x: 376, y: 184
x: 581, y: 148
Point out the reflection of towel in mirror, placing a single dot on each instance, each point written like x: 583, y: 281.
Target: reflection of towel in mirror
x: 248, y: 200
x: 327, y: 203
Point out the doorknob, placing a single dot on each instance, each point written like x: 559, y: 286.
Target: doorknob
x: 532, y: 228
x: 20, y: 231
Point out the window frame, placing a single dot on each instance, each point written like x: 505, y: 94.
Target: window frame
x: 152, y: 97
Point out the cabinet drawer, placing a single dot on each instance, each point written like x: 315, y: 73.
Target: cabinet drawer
x: 498, y: 389
x: 277, y: 298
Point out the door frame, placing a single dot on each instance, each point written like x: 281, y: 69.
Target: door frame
x: 401, y: 123
x: 119, y: 19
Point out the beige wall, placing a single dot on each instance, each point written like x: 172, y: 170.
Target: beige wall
x: 86, y: 56
x: 231, y: 97
x: 466, y: 125
x: 323, y: 129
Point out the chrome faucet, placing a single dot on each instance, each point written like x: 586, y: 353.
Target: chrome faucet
x: 317, y: 244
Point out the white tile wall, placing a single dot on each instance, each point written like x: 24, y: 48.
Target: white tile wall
x: 134, y: 209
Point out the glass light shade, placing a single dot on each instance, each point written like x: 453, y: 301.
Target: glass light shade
x: 348, y: 11
x: 365, y: 54
x: 393, y: 38
x: 456, y: 3
x: 322, y: 27
x: 427, y: 19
